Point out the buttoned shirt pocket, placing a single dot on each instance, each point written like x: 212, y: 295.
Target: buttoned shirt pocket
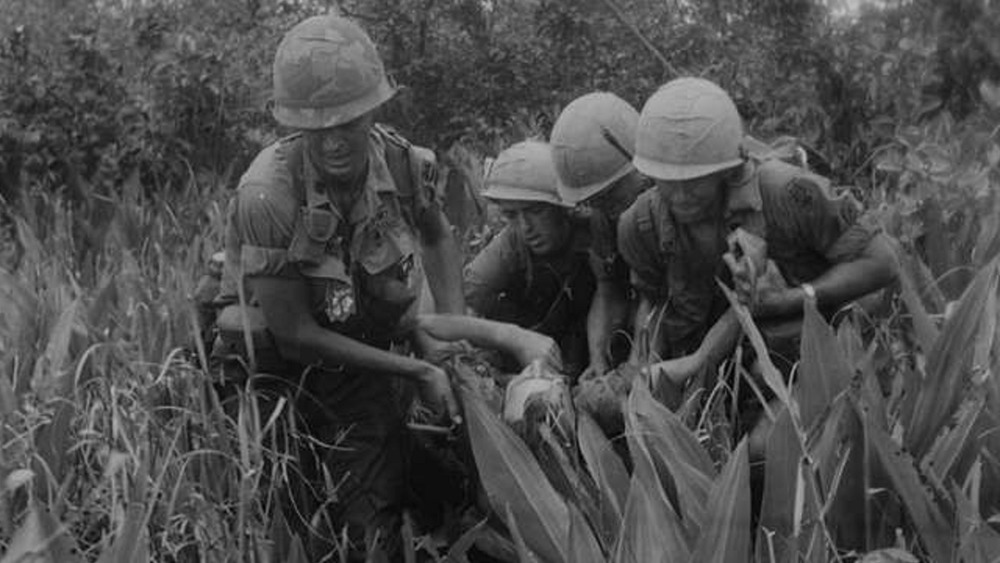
x: 390, y: 270
x: 317, y: 250
x: 314, y: 232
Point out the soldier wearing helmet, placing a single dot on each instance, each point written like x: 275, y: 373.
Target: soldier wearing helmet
x: 776, y: 231
x: 330, y: 234
x: 534, y: 273
x: 592, y: 144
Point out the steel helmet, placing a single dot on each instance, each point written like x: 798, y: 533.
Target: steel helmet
x: 327, y: 72
x: 592, y: 144
x: 523, y: 172
x: 688, y: 129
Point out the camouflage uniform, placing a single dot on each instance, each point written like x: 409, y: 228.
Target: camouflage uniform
x: 548, y: 294
x: 364, y: 274
x: 806, y: 228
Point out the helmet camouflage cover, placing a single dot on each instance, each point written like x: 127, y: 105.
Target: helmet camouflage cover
x: 523, y: 172
x: 327, y: 72
x: 688, y: 129
x: 592, y: 144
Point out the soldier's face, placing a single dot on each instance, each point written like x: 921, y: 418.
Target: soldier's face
x: 341, y: 152
x: 693, y: 200
x: 546, y: 228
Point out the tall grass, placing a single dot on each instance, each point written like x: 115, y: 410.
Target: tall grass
x: 113, y: 446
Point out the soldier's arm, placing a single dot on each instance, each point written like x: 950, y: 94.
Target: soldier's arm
x: 489, y: 273
x: 861, y: 255
x: 872, y: 269
x: 524, y: 345
x: 299, y: 338
x: 607, y: 313
x: 442, y: 260
x: 717, y: 345
x: 643, y: 324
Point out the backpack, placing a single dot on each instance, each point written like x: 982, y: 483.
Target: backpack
x: 791, y: 150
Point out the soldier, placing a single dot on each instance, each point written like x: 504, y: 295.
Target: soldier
x: 715, y: 212
x: 592, y: 144
x: 330, y: 234
x: 534, y: 272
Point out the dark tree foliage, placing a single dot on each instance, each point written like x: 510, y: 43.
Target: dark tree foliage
x: 177, y: 89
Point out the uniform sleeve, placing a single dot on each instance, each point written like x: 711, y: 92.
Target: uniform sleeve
x: 491, y: 271
x: 264, y: 223
x: 639, y: 249
x: 834, y: 226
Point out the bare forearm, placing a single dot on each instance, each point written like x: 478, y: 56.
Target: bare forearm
x: 842, y: 283
x: 607, y: 314
x: 641, y: 325
x: 520, y: 343
x: 481, y: 332
x: 315, y: 344
x: 720, y: 340
x: 443, y: 264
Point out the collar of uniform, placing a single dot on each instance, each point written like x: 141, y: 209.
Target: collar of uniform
x: 581, y: 241
x: 378, y: 180
x: 744, y: 191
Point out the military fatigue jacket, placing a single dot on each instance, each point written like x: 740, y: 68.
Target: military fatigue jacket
x: 550, y: 294
x: 362, y: 268
x: 806, y: 227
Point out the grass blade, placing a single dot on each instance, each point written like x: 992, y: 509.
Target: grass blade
x: 515, y: 483
x: 977, y: 541
x: 605, y: 467
x: 675, y: 449
x: 583, y: 546
x: 923, y: 326
x: 524, y: 553
x: 770, y: 373
x: 823, y: 372
x: 931, y: 524
x: 651, y: 530
x: 949, y: 362
x: 781, y: 467
x: 953, y: 445
x: 726, y: 536
x: 48, y: 375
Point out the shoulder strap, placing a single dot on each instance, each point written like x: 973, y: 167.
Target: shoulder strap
x: 414, y: 170
x: 397, y: 157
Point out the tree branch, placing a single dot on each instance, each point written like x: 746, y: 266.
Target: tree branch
x: 620, y: 14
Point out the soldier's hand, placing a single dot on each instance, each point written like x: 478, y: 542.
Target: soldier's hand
x: 746, y: 258
x: 597, y: 368
x: 436, y: 392
x: 767, y: 291
x: 532, y: 346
